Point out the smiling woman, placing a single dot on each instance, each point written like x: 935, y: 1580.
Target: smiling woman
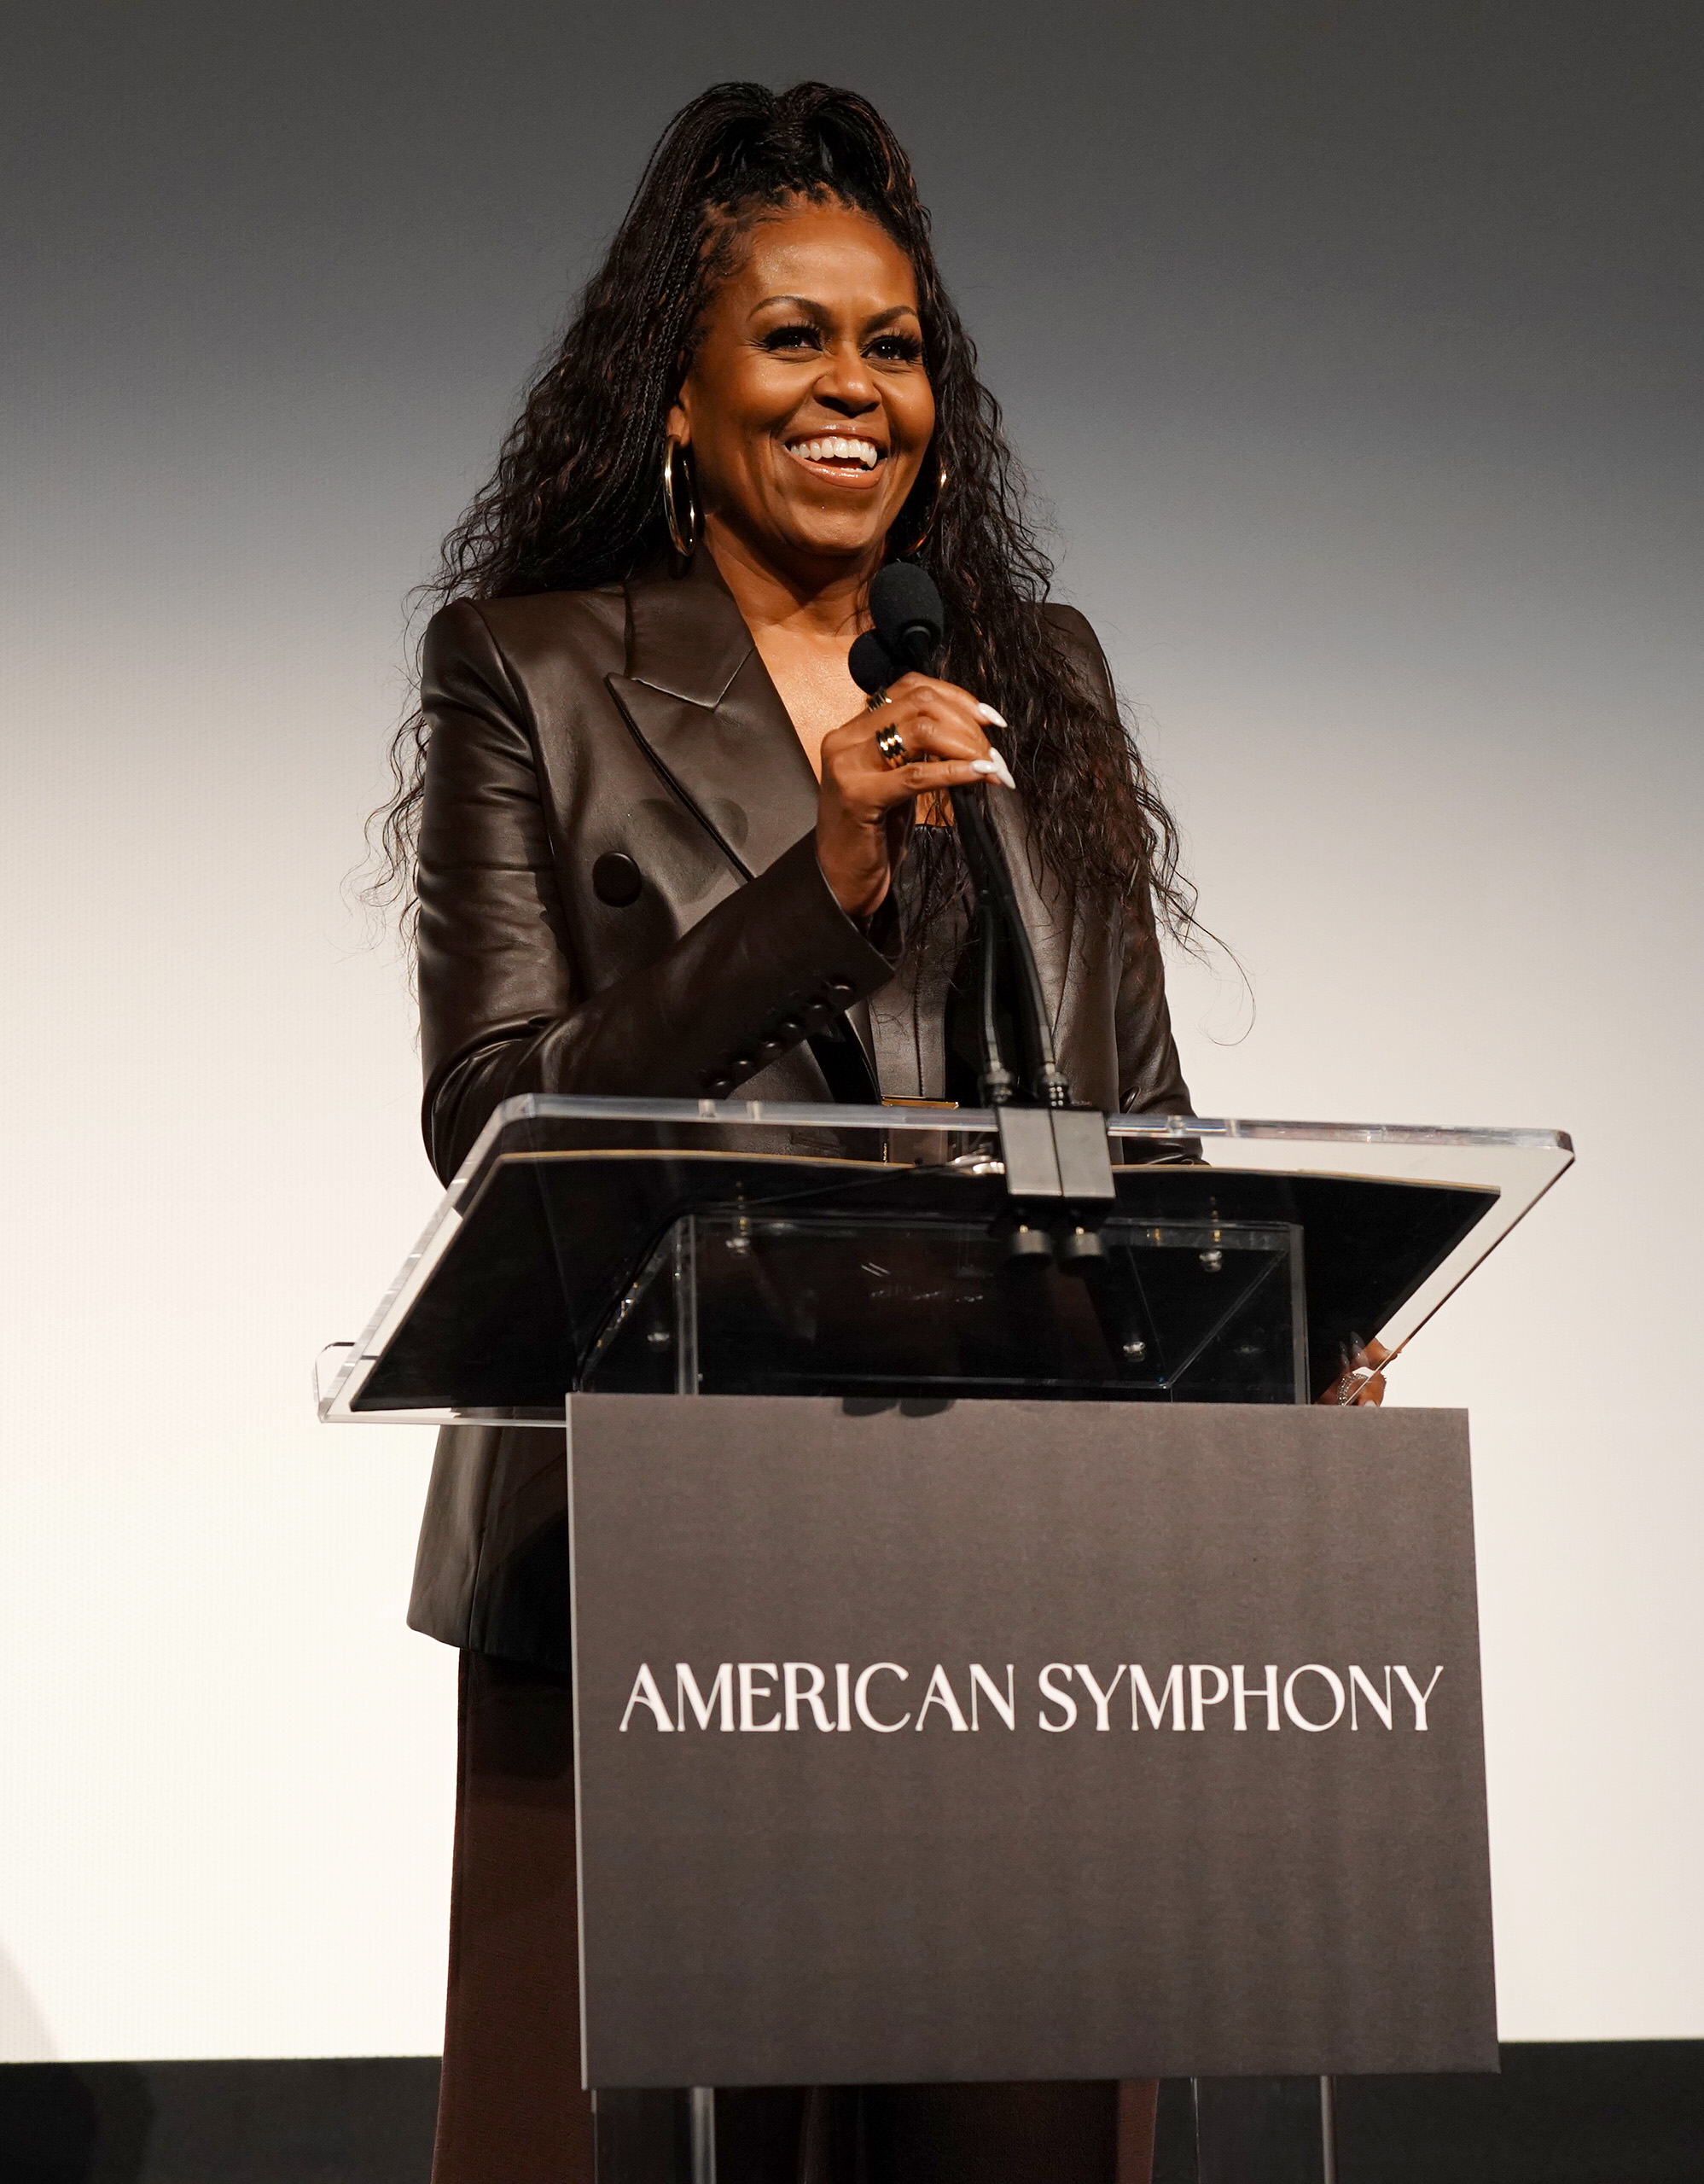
x: 656, y: 842
x: 806, y: 412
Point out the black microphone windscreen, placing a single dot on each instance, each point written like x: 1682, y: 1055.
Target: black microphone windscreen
x: 903, y: 599
x: 872, y: 667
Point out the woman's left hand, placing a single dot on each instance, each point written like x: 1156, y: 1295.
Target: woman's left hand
x: 1362, y: 1382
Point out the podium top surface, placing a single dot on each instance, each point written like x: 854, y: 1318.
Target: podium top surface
x: 562, y: 1199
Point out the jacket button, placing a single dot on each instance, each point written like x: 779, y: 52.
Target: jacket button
x: 789, y: 1028
x: 840, y: 988
x: 617, y: 880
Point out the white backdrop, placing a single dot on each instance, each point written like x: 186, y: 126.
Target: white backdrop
x: 1422, y: 682
x: 226, y: 1823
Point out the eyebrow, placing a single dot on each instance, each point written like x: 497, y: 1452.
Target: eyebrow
x: 819, y: 316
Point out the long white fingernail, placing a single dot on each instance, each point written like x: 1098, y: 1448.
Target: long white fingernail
x: 989, y: 718
x: 1002, y: 772
x: 984, y: 766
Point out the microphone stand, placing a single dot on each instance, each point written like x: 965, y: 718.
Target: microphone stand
x: 997, y: 903
x: 1052, y: 1151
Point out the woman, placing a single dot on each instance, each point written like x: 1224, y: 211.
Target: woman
x: 662, y: 845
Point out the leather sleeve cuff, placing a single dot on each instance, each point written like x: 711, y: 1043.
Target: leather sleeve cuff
x: 817, y: 965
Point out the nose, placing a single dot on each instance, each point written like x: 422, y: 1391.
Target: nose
x: 847, y: 406
x: 844, y: 386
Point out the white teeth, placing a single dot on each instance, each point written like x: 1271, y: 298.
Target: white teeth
x: 833, y: 449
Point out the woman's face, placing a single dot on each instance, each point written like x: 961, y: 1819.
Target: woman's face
x: 807, y: 408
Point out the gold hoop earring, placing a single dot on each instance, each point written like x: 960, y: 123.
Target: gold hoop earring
x: 683, y: 536
x: 922, y: 539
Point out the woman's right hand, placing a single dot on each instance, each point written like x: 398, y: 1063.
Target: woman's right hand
x: 865, y: 807
x: 1361, y: 1380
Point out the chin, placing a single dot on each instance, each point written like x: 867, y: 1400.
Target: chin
x: 853, y: 535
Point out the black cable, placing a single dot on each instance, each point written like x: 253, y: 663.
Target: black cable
x: 999, y: 1086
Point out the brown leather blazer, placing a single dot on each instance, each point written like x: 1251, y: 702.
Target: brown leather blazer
x: 620, y: 893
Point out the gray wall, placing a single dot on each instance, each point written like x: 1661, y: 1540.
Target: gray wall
x: 1357, y: 348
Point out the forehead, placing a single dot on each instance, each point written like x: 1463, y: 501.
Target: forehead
x: 829, y: 253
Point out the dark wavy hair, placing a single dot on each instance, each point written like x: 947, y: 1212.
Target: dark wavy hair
x: 575, y: 501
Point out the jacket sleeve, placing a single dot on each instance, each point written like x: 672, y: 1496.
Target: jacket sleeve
x: 504, y: 1006
x: 1150, y: 1076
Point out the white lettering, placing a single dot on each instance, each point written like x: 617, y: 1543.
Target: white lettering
x: 645, y: 1693
x: 1331, y: 1676
x: 861, y: 1696
x: 1062, y: 1700
x: 686, y: 1693
x: 1240, y: 1695
x: 791, y: 1672
x: 1006, y: 1708
x: 843, y: 1695
x: 939, y: 1693
x: 1141, y: 1695
x: 1198, y: 1669
x: 1418, y: 1696
x: 1381, y: 1707
x: 1102, y: 1699
x: 751, y: 1691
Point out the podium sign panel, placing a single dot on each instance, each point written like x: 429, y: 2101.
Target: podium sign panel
x: 1011, y: 1739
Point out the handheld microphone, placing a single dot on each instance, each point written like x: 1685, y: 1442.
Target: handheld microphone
x: 869, y: 665
x: 907, y: 611
x: 910, y: 624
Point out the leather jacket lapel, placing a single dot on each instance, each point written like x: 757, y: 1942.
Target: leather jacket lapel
x: 700, y: 700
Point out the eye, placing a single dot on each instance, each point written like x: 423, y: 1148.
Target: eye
x: 802, y: 335
x: 897, y: 348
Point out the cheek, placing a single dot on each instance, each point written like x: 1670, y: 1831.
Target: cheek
x: 748, y: 414
x: 914, y: 418
x: 755, y: 397
x: 725, y: 392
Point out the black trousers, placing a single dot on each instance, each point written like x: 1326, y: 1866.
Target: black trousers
x: 510, y: 2108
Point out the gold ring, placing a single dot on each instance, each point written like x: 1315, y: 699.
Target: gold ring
x: 891, y: 745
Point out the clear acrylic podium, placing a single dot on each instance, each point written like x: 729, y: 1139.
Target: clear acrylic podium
x: 893, y: 1253
x: 725, y: 1248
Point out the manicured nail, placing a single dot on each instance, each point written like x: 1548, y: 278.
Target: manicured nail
x: 997, y: 765
x: 984, y: 766
x: 989, y: 718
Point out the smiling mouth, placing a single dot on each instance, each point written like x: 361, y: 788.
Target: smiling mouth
x: 845, y: 455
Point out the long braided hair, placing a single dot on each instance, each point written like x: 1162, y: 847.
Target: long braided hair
x: 574, y: 500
